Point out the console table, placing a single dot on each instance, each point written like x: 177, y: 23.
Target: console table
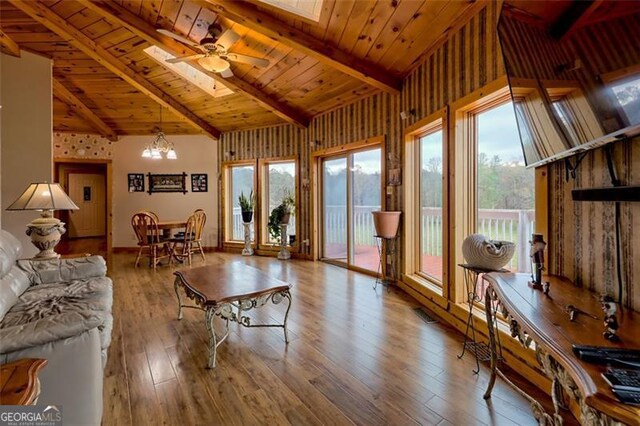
x: 542, y: 322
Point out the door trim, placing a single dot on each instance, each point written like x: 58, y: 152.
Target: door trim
x: 109, y: 188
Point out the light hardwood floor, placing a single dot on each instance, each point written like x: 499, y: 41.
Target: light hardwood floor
x: 356, y: 356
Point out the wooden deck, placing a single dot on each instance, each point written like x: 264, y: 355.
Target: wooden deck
x: 356, y: 356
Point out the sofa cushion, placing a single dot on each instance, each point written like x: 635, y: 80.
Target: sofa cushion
x: 12, y: 285
x: 60, y: 270
x: 53, y: 299
x: 10, y: 250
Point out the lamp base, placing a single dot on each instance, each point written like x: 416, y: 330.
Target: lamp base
x: 45, y: 233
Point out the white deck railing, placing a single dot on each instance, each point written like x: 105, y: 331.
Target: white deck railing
x: 509, y: 225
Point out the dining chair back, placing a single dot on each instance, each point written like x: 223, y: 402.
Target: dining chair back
x: 149, y: 237
x: 191, y: 240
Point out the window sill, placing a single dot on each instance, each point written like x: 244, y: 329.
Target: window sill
x: 426, y: 288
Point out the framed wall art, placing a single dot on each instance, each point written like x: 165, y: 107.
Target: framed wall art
x: 167, y: 183
x: 136, y: 182
x: 199, y: 182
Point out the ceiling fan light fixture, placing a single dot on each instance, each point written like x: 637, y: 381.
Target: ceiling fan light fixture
x: 214, y: 63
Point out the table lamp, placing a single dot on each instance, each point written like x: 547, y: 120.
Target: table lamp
x: 45, y: 231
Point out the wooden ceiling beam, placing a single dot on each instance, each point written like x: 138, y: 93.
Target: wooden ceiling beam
x: 8, y: 46
x: 77, y: 38
x: 66, y: 96
x: 572, y: 17
x: 120, y: 15
x: 248, y: 15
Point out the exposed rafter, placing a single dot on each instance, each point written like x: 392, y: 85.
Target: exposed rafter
x: 77, y: 38
x: 8, y: 46
x: 122, y: 16
x: 248, y: 15
x: 65, y: 95
x: 570, y: 19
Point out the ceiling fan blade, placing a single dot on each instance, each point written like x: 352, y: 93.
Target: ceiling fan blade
x: 179, y: 38
x: 227, y: 73
x: 227, y: 39
x: 186, y: 58
x: 257, y: 62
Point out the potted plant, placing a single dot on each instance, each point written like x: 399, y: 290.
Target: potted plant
x: 246, y: 206
x: 280, y: 215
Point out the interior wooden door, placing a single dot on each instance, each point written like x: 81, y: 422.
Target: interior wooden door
x: 87, y: 190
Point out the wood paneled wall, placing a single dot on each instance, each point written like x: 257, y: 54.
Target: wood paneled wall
x: 372, y: 116
x: 582, y: 241
x: 467, y: 61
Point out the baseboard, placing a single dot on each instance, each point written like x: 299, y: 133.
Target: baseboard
x: 135, y: 249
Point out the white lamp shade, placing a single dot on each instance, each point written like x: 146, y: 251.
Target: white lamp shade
x: 44, y: 196
x: 171, y: 155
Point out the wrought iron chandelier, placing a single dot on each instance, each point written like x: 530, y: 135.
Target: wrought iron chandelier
x: 159, y: 146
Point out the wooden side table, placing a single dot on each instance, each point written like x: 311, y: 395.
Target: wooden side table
x: 19, y: 383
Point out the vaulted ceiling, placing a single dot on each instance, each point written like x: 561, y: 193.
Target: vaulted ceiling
x: 105, y: 83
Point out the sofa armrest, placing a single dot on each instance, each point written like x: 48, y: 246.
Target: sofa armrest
x: 48, y: 329
x: 63, y: 270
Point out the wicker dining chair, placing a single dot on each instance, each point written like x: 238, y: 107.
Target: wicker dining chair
x: 191, y: 240
x: 150, y: 238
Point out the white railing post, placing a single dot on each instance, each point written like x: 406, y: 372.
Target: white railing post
x: 523, y: 242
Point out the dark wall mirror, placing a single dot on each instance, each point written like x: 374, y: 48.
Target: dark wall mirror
x: 574, y: 72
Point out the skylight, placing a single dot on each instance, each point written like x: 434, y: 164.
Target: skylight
x: 188, y: 72
x: 309, y: 9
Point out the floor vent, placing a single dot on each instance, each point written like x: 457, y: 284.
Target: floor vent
x: 480, y: 350
x: 424, y: 315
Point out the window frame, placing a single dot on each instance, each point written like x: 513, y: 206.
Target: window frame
x: 227, y: 190
x: 464, y: 183
x: 262, y: 202
x: 412, y: 134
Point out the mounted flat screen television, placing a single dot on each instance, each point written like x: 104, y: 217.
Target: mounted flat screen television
x: 574, y: 72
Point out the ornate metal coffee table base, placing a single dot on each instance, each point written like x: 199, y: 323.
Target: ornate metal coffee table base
x: 226, y: 312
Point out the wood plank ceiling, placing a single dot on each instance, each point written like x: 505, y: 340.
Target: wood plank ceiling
x: 306, y: 73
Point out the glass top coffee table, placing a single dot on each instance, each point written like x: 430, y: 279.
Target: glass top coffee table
x: 227, y: 290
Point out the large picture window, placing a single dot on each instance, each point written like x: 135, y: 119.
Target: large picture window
x: 241, y: 179
x: 431, y: 202
x: 426, y: 211
x: 279, y: 182
x: 505, y: 188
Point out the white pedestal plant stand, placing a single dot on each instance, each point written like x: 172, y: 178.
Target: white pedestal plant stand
x: 284, y: 254
x: 247, y: 250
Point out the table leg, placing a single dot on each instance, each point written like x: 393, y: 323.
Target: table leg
x: 209, y: 316
x: 176, y: 286
x: 225, y: 312
x: 492, y: 341
x: 286, y: 317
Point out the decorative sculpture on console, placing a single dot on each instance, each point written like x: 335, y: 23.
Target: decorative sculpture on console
x: 610, y: 319
x: 537, y: 263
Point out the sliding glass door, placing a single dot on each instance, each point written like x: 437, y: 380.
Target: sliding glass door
x: 351, y: 190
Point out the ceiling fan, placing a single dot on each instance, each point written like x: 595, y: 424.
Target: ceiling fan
x: 215, y: 54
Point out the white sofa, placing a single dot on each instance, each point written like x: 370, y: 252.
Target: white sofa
x: 59, y: 310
